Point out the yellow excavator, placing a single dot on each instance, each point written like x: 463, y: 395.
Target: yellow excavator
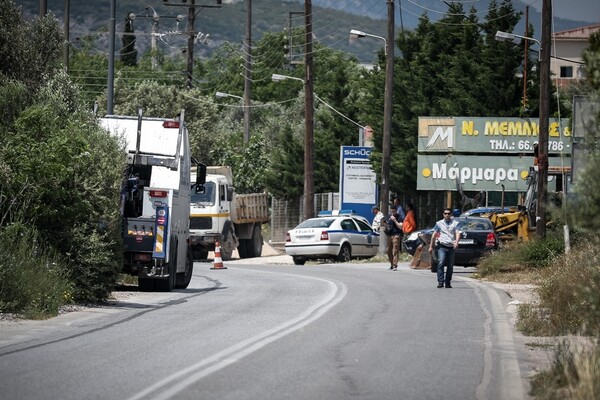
x: 520, y: 222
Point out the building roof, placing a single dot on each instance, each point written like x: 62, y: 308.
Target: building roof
x: 581, y: 33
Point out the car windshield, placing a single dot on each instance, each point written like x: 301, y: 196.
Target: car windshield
x: 469, y: 224
x: 316, y: 223
x: 207, y: 198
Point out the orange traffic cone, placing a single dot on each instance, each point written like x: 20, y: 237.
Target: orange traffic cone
x: 218, y: 262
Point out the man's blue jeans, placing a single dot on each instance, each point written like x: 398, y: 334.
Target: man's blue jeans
x: 445, y: 257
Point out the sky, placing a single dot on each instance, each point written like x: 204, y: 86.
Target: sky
x: 578, y: 10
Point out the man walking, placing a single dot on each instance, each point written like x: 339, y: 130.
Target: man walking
x: 446, y: 234
x: 394, y: 240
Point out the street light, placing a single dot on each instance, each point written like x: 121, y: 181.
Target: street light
x: 221, y: 94
x: 309, y: 167
x: 544, y: 114
x: 513, y: 37
x: 278, y: 78
x: 355, y: 34
x: 386, y: 147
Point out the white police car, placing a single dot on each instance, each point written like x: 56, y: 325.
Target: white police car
x: 340, y: 235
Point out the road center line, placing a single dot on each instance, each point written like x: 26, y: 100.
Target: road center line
x: 190, y: 375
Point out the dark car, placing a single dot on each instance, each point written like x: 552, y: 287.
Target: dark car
x: 479, y: 211
x: 477, y: 238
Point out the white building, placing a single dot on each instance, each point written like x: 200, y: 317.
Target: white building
x: 566, y: 62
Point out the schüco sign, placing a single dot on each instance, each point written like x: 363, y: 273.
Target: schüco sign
x: 358, y: 151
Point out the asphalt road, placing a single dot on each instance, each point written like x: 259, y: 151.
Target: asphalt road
x: 275, y: 331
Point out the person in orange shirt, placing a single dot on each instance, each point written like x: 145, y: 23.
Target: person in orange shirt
x: 410, y: 223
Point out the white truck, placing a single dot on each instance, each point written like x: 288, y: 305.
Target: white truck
x: 155, y: 200
x: 218, y: 214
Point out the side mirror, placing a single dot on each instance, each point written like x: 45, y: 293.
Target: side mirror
x: 229, y: 193
x: 200, y: 174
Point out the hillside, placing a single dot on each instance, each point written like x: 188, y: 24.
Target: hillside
x: 332, y: 20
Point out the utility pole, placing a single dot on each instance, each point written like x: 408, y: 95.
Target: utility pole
x: 248, y: 71
x: 43, y: 7
x: 526, y: 44
x: 386, y: 148
x: 309, y: 178
x: 191, y: 32
x: 111, y: 57
x: 190, y: 44
x: 542, y: 180
x: 66, y: 29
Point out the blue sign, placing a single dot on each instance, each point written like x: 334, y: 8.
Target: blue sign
x: 358, y: 186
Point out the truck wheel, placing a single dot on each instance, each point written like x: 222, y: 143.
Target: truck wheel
x: 256, y: 242
x: 227, y: 247
x: 184, y: 278
x: 243, y: 248
x: 299, y: 260
x: 345, y: 253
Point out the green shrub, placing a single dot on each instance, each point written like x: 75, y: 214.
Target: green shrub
x: 33, y: 282
x: 539, y: 253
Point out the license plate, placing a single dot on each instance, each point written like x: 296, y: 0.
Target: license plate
x: 466, y: 241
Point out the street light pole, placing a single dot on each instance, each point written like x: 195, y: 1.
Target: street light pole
x: 544, y: 114
x: 386, y: 147
x: 309, y: 137
x: 248, y: 71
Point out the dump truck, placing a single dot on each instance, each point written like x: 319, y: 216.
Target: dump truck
x: 155, y: 200
x: 218, y: 214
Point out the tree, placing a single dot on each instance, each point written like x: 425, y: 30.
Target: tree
x: 452, y: 67
x: 30, y: 51
x: 587, y: 189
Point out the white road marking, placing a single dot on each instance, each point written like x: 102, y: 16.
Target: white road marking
x: 168, y: 387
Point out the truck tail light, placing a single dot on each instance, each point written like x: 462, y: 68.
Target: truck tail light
x: 171, y: 124
x: 158, y: 193
x: 287, y: 237
x: 324, y: 235
x: 491, y: 240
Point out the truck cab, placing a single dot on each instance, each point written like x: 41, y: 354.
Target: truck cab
x: 218, y: 214
x: 210, y: 216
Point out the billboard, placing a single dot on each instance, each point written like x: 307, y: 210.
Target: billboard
x: 479, y: 172
x: 358, y: 188
x: 486, y: 153
x: 490, y: 135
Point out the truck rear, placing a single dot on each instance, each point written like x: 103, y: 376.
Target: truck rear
x: 155, y: 200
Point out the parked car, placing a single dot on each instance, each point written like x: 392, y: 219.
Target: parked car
x: 338, y: 235
x: 477, y: 238
x: 479, y: 211
x: 412, y: 241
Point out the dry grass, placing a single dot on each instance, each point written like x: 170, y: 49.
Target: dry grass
x: 568, y: 290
